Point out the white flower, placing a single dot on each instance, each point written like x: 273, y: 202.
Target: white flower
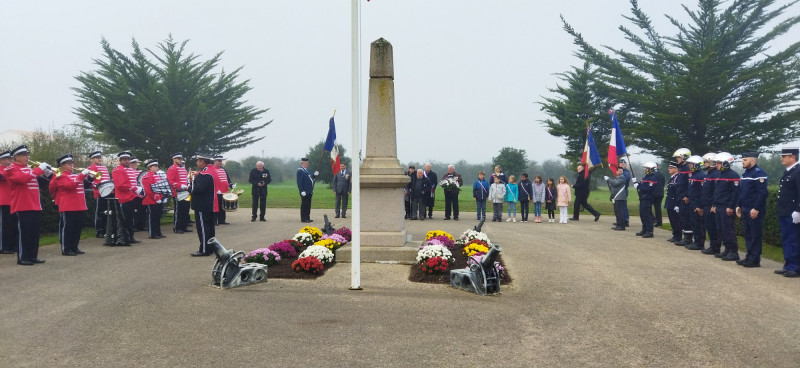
x: 434, y: 250
x: 304, y: 238
x: 319, y: 252
x: 470, y: 235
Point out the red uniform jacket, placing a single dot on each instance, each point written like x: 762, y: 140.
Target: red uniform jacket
x: 223, y: 180
x: 103, y: 170
x: 177, y: 177
x: 5, y: 188
x: 67, y: 191
x: 149, y: 196
x: 24, y: 187
x: 212, y: 170
x: 125, y: 192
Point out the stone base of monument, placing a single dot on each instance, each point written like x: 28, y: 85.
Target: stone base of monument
x: 407, y: 254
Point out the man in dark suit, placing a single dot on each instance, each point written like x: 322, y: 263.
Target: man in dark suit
x: 342, y: 186
x: 419, y: 191
x: 259, y: 178
x: 305, y: 185
x: 434, y: 179
x: 582, y: 189
x: 203, y: 198
x: 788, y: 211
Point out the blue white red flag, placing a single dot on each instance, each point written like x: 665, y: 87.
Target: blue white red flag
x: 591, y: 157
x: 330, y: 145
x: 616, y: 146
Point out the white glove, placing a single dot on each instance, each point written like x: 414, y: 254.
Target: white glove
x: 303, y: 194
x: 219, y: 192
x: 184, y: 187
x: 233, y: 186
x: 796, y: 217
x: 316, y: 173
x: 636, y: 185
x: 45, y: 167
x: 606, y: 178
x: 635, y: 180
x: 677, y: 209
x: 138, y: 190
x: 85, y: 172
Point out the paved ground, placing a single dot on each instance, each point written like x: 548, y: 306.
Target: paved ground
x: 582, y: 296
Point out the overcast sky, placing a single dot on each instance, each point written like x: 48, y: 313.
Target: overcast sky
x: 468, y: 73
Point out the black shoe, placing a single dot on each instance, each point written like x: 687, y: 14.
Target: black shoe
x: 413, y: 218
x: 71, y: 254
x: 710, y: 250
x: 658, y: 224
x: 627, y: 224
x: 720, y: 255
x: 648, y: 235
x: 306, y: 221
x: 154, y: 237
x: 641, y: 233
x: 25, y: 263
x: 618, y: 228
x: 37, y: 260
x: 791, y: 274
x: 739, y: 262
x: 253, y: 219
x: 446, y: 218
x: 673, y: 239
x: 100, y: 236
x: 750, y: 264
x: 7, y: 252
x: 179, y: 231
x: 265, y: 220
x: 781, y: 271
x: 187, y: 230
x: 596, y: 217
x: 79, y: 251
x: 695, y: 246
x: 134, y: 241
x: 422, y: 218
x: 337, y: 216
x: 224, y: 223
x: 455, y: 218
x: 576, y: 219
x: 731, y: 256
x: 200, y: 254
x: 345, y: 216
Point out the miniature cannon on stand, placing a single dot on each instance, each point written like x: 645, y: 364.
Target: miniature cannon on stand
x: 228, y: 271
x: 482, y: 277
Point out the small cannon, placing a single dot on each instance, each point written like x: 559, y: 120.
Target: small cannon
x: 481, y: 277
x: 228, y: 272
x: 480, y: 225
x: 328, y: 228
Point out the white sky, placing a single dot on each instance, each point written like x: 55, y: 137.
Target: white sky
x: 468, y: 73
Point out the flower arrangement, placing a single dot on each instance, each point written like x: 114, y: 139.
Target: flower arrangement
x: 345, y: 232
x: 328, y: 243
x: 430, y: 251
x: 435, y: 233
x: 476, y: 247
x: 263, y: 256
x: 284, y: 248
x: 450, y: 185
x: 315, y: 232
x: 307, y: 264
x: 501, y: 271
x: 337, y: 238
x: 304, y: 238
x: 321, y: 253
x: 296, y: 244
x: 443, y: 241
x: 435, y: 265
x: 471, y: 235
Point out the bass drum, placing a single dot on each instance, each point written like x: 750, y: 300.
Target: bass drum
x: 230, y: 202
x: 105, y: 188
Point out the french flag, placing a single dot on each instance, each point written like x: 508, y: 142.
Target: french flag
x: 616, y: 146
x: 330, y: 145
x: 591, y: 157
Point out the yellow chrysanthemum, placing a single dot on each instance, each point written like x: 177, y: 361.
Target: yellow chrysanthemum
x: 434, y: 233
x: 473, y: 248
x: 316, y: 233
x: 328, y: 243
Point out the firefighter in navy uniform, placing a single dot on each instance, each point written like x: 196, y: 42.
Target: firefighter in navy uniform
x: 697, y: 177
x: 709, y: 218
x: 658, y: 196
x: 751, y: 207
x: 203, y: 190
x: 726, y: 194
x: 788, y: 210
x: 682, y: 192
x: 671, y: 203
x: 646, y: 187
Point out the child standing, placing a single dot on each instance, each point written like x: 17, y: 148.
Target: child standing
x: 525, y: 192
x: 550, y: 198
x: 512, y: 193
x: 564, y: 197
x: 537, y: 197
x: 480, y: 192
x: 497, y: 192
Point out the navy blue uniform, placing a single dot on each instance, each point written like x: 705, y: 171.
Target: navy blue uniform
x: 646, y: 188
x: 726, y: 194
x: 788, y: 202
x: 628, y: 176
x: 682, y: 192
x: 710, y: 219
x: 658, y: 196
x: 696, y: 180
x: 305, y: 185
x: 670, y: 203
x: 753, y: 196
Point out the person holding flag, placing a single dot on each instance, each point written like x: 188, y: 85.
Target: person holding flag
x: 331, y: 146
x: 617, y: 149
x: 589, y: 160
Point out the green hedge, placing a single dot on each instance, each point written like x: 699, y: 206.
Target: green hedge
x: 50, y: 211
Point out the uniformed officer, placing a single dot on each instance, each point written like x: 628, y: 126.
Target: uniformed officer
x: 179, y: 181
x: 305, y: 185
x: 788, y: 211
x: 696, y: 179
x: 68, y: 193
x: 658, y: 196
x: 671, y: 203
x: 203, y: 191
x: 709, y: 218
x: 8, y: 222
x: 682, y: 193
x: 259, y: 178
x: 101, y: 205
x: 726, y: 194
x: 646, y: 187
x: 25, y: 203
x: 751, y: 207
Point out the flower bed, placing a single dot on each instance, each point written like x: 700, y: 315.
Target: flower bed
x: 305, y: 256
x: 435, y: 260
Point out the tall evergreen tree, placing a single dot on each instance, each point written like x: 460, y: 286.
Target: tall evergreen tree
x: 717, y: 84
x: 170, y: 101
x: 513, y: 161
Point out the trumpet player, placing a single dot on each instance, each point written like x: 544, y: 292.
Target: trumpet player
x: 25, y: 203
x: 126, y: 193
x: 152, y: 200
x: 101, y: 205
x: 179, y: 180
x: 68, y: 192
x: 8, y: 222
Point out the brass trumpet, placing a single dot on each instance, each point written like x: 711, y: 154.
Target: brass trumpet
x: 96, y: 174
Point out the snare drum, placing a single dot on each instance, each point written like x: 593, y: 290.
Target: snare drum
x: 105, y: 188
x: 182, y: 195
x: 230, y: 202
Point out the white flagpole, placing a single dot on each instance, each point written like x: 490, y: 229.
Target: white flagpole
x: 355, y: 152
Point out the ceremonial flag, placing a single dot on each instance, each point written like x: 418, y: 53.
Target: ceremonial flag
x: 616, y: 146
x: 330, y: 145
x: 591, y: 157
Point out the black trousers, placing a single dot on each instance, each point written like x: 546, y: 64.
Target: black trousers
x: 582, y: 200
x: 305, y: 207
x: 619, y: 211
x: 128, y: 212
x: 686, y: 217
x: 675, y: 222
x: 140, y: 214
x: 407, y: 201
x: 341, y: 202
x: 28, y: 227
x: 259, y: 203
x: 154, y: 212
x: 180, y: 217
x: 657, y: 209
x: 646, y: 214
x: 451, y: 201
x: 70, y: 225
x: 698, y: 226
x: 9, y: 234
x: 524, y: 209
x: 100, y: 207
x: 727, y: 233
x: 429, y: 201
x: 753, y: 234
x: 220, y: 217
x: 205, y: 229
x: 710, y: 224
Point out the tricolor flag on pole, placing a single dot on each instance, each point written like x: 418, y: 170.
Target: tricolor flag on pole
x: 616, y: 146
x: 330, y: 145
x: 591, y: 157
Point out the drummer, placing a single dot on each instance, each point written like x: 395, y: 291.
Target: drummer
x: 152, y: 200
x: 140, y: 213
x: 101, y: 205
x: 223, y: 186
x: 179, y: 180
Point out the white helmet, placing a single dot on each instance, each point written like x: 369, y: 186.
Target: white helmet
x: 683, y: 153
x: 696, y: 161
x: 650, y: 167
x: 726, y: 159
x: 710, y: 157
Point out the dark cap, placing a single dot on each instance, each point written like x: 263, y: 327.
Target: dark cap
x: 789, y: 151
x: 96, y: 154
x: 303, y: 159
x: 124, y: 154
x: 673, y: 164
x: 134, y: 160
x: 177, y: 155
x: 19, y: 150
x: 204, y: 156
x: 5, y: 154
x: 152, y: 162
x: 64, y: 159
x: 753, y: 154
x: 218, y: 158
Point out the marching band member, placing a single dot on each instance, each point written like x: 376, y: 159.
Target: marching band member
x: 153, y: 200
x: 101, y: 205
x: 8, y: 222
x: 126, y: 193
x: 179, y: 181
x: 224, y: 186
x: 203, y: 202
x: 25, y: 203
x: 139, y: 212
x: 68, y: 193
x: 211, y: 169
